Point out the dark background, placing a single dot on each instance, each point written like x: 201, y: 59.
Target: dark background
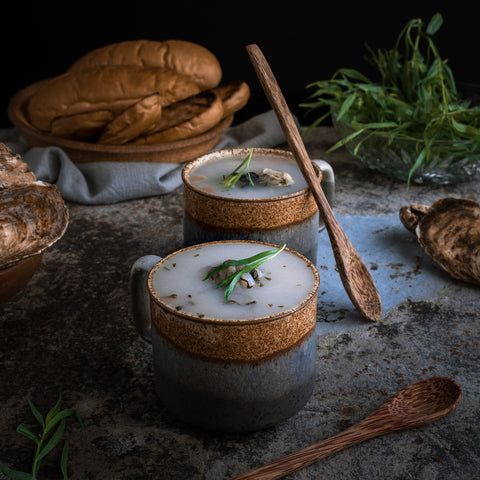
x: 303, y: 41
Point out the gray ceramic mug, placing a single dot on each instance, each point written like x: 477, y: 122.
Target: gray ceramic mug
x: 217, y: 371
x: 282, y: 214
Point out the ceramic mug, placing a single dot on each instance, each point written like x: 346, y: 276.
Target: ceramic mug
x: 273, y: 214
x: 231, y: 366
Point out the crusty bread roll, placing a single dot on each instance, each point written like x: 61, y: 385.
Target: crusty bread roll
x: 185, y: 119
x: 133, y: 121
x: 234, y: 95
x: 112, y: 88
x: 184, y: 110
x: 83, y: 127
x: 184, y: 57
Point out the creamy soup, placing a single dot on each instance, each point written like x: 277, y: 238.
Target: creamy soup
x: 208, y: 177
x: 286, y: 281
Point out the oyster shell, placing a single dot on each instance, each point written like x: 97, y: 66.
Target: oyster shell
x: 274, y: 178
x: 268, y: 177
x: 449, y: 232
x: 13, y: 169
x: 33, y: 215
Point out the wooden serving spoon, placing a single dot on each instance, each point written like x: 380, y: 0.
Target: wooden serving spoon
x: 419, y: 403
x: 355, y: 276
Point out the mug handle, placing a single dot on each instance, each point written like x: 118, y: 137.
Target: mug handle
x: 327, y: 183
x: 139, y: 296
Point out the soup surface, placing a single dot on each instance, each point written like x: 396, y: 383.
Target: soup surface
x: 208, y: 177
x: 286, y: 281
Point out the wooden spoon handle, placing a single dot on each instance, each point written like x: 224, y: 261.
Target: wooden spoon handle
x: 289, y: 128
x: 353, y: 272
x: 302, y: 458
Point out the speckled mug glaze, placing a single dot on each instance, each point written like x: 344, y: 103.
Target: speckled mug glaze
x: 224, y: 375
x: 292, y: 219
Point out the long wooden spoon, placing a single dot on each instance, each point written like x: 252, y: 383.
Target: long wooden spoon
x: 419, y: 403
x: 355, y: 276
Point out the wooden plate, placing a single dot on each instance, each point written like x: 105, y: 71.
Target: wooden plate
x: 82, y: 152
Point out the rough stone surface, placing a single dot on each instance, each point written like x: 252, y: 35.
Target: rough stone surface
x: 70, y: 331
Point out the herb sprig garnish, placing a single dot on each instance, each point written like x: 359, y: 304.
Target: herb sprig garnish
x: 414, y: 98
x: 232, y: 178
x: 250, y: 264
x: 52, y: 429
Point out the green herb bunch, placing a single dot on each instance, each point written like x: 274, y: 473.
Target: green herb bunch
x: 52, y: 428
x: 414, y: 98
x: 250, y: 264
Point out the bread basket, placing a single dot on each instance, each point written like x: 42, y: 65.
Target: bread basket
x: 82, y: 152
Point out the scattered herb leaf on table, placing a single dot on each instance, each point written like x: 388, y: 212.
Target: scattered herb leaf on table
x: 52, y: 428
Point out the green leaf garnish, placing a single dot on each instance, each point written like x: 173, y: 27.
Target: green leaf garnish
x: 15, y: 474
x: 414, y: 97
x: 51, y: 432
x: 250, y: 264
x: 64, y: 460
x: 232, y: 178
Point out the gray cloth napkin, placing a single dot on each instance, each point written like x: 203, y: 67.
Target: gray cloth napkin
x: 111, y: 182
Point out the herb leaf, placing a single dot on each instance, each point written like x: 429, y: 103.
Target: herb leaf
x: 36, y: 414
x: 434, y: 24
x: 64, y: 460
x: 60, y: 416
x: 232, y: 178
x: 244, y: 261
x: 25, y: 430
x: 15, y: 474
x: 250, y: 264
x: 54, y: 410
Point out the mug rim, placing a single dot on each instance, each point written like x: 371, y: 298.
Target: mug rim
x: 311, y: 295
x: 189, y: 166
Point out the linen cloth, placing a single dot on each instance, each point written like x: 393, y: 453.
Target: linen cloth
x: 112, y: 182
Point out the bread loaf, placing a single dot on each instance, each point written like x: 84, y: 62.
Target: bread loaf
x: 184, y: 110
x: 133, y: 121
x: 181, y: 56
x: 185, y: 119
x: 82, y: 127
x: 234, y: 95
x: 104, y: 88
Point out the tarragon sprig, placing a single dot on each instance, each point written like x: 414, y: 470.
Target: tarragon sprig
x: 250, y: 264
x: 52, y: 429
x: 232, y: 178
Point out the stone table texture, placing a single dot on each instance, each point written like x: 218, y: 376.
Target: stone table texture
x: 70, y: 332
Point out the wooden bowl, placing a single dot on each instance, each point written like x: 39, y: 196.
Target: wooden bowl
x: 81, y: 152
x: 14, y: 278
